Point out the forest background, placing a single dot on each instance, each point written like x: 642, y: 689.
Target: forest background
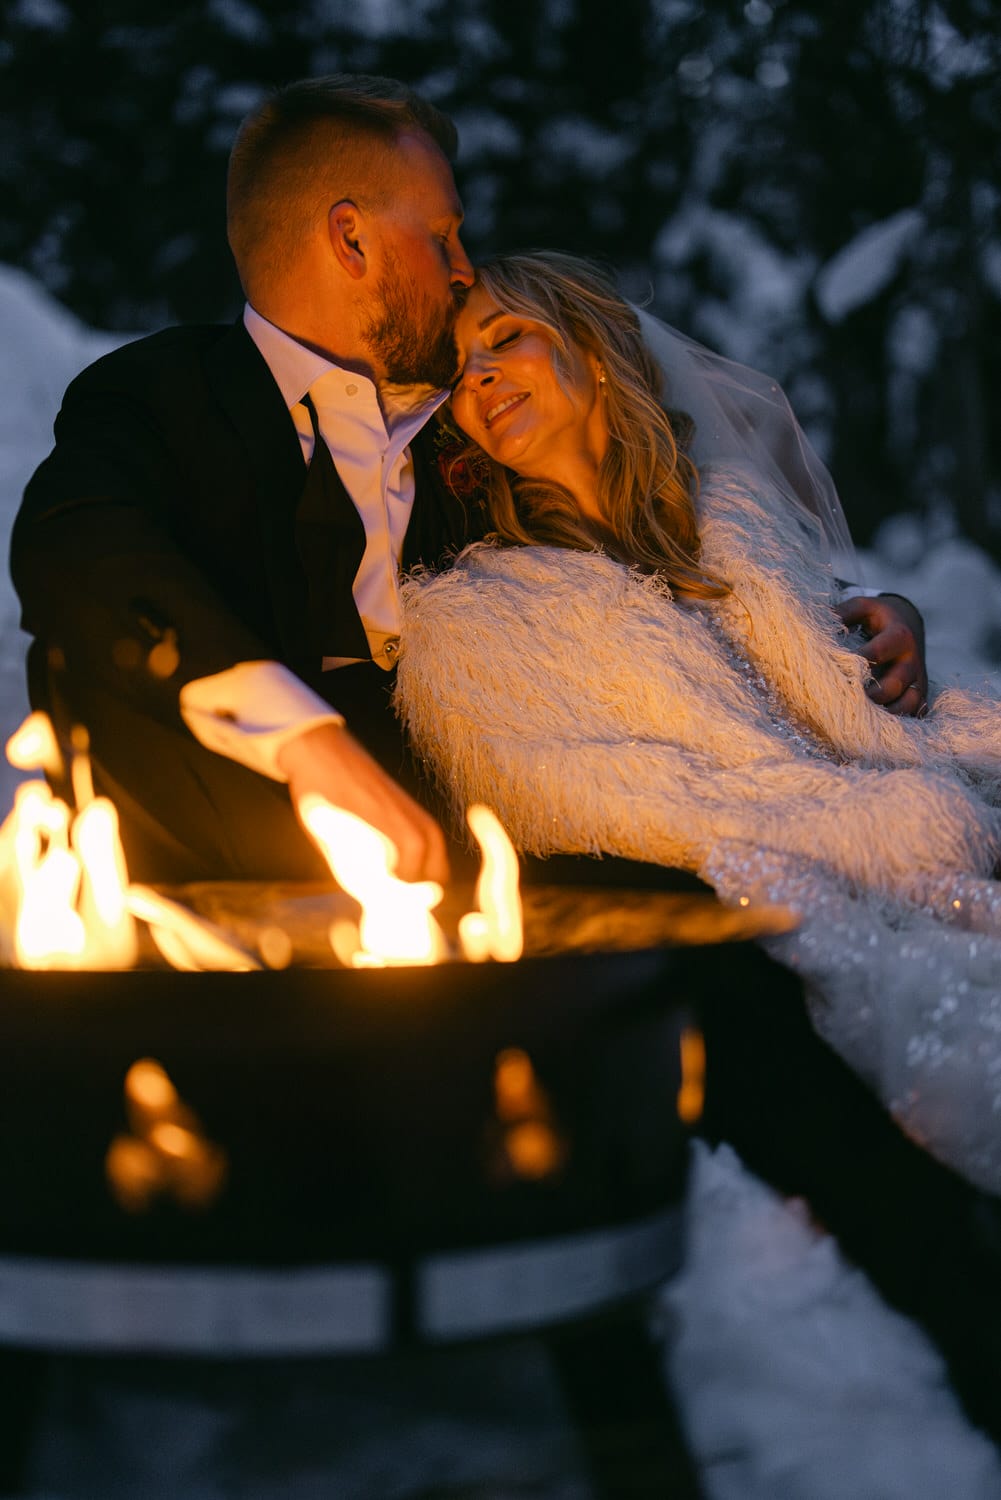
x: 809, y: 187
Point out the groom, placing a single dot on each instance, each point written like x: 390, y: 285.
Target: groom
x: 207, y: 560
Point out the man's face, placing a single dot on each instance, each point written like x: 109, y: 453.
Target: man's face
x: 422, y: 271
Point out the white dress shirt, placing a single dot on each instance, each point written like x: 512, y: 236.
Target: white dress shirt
x: 251, y: 710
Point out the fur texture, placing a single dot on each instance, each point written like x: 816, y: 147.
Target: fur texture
x: 596, y: 714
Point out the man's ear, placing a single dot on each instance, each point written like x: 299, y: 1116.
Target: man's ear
x: 346, y: 229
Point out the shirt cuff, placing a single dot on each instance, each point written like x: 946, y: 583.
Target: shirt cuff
x: 846, y: 591
x: 251, y: 711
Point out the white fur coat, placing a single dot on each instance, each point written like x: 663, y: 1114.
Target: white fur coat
x: 596, y: 714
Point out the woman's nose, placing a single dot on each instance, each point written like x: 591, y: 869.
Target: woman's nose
x: 478, y: 373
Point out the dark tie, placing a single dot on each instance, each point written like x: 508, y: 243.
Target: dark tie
x: 330, y: 538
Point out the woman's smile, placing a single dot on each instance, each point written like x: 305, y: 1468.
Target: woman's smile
x: 497, y: 409
x: 532, y: 406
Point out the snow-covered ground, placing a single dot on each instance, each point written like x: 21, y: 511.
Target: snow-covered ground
x: 796, y: 1382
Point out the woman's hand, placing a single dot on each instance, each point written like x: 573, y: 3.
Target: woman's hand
x: 895, y: 648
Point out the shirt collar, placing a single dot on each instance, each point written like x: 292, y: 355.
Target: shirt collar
x: 296, y: 367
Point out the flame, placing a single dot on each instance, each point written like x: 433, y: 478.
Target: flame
x: 112, y: 941
x: 65, y: 880
x: 80, y: 773
x: 517, y: 1093
x: 531, y: 1146
x: 64, y: 887
x: 534, y: 1150
x: 396, y: 925
x: 167, y: 1151
x: 133, y: 1171
x: 69, y: 902
x: 34, y: 747
x: 41, y: 879
x: 66, y: 900
x: 496, y: 929
x: 691, y: 1094
x: 50, y: 932
x: 149, y: 1094
x: 186, y: 941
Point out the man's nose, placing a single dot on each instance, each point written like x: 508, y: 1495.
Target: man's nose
x: 462, y: 273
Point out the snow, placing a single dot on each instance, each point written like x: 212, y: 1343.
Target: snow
x: 42, y: 346
x: 795, y: 1381
x: 867, y: 264
x: 485, y: 132
x: 762, y: 288
x: 952, y: 56
x: 599, y: 152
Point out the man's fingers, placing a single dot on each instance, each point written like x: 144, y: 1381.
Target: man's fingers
x: 328, y: 761
x: 895, y: 643
x: 894, y: 675
x: 888, y: 685
x: 894, y: 650
x: 420, y: 844
x: 911, y: 701
x: 910, y: 704
x: 855, y: 611
x: 418, y: 840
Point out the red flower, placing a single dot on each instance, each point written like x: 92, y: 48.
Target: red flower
x: 458, y: 468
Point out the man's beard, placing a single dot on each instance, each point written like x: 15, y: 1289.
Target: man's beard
x: 413, y: 340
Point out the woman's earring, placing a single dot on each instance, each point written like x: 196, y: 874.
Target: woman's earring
x: 601, y: 377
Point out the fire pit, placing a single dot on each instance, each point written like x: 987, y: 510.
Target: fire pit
x: 361, y: 1113
x: 416, y: 1154
x: 319, y: 1155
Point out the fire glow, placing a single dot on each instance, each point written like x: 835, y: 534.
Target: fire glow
x: 166, y: 1151
x: 66, y: 900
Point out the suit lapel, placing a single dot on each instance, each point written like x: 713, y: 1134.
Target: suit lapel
x: 247, y: 392
x: 440, y: 523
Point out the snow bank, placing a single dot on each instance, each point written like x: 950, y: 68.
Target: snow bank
x: 42, y: 346
x: 861, y: 269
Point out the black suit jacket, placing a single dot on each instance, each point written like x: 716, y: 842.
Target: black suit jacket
x: 167, y: 510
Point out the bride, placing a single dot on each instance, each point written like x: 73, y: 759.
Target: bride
x: 645, y: 660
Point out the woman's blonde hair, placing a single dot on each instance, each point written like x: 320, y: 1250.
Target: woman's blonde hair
x: 646, y: 483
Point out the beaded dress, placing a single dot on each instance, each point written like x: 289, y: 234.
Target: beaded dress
x: 596, y: 713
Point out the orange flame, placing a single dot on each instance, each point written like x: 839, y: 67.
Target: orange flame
x: 33, y: 746
x: 167, y: 1151
x: 396, y: 924
x: 691, y: 1094
x: 531, y: 1146
x: 64, y: 887
x: 496, y: 929
x: 66, y: 900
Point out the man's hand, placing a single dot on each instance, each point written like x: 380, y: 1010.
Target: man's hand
x: 896, y: 649
x: 329, y: 761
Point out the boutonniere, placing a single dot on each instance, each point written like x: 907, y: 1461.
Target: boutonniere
x: 463, y: 472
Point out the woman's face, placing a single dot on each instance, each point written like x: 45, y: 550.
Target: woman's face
x: 513, y: 401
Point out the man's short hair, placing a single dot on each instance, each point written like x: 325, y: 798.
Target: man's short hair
x: 309, y: 145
